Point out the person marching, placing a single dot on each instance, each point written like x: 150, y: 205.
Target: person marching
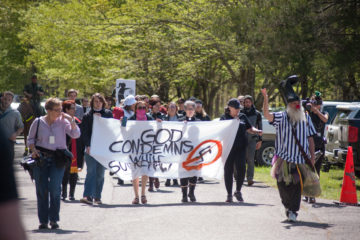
x: 237, y: 155
x: 293, y: 128
x: 140, y: 115
x: 189, y: 182
x: 47, y: 134
x: 94, y: 180
x: 254, y: 141
x: 319, y: 120
x: 172, y: 115
x: 77, y: 148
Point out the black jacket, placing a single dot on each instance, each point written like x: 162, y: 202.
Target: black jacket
x: 184, y: 118
x: 167, y: 117
x: 158, y: 115
x: 202, y: 118
x: 87, y: 124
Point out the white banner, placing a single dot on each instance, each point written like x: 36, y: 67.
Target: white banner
x: 124, y: 87
x: 163, y: 149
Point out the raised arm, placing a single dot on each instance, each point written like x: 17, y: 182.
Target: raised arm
x: 267, y: 114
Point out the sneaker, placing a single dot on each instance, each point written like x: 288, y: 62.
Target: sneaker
x: 184, y: 199
x: 71, y: 198
x: 157, y: 183
x: 87, y: 200
x: 98, y: 201
x: 305, y: 199
x: 43, y: 226
x: 200, y: 180
x: 229, y: 199
x: 292, y: 216
x: 54, y: 225
x: 238, y: 196
x: 250, y: 182
x: 312, y: 200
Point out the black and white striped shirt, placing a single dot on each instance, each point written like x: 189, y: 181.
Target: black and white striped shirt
x: 285, y: 144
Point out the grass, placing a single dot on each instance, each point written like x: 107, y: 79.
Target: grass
x: 330, y: 182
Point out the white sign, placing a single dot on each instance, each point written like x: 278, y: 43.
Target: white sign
x: 124, y: 87
x: 163, y: 149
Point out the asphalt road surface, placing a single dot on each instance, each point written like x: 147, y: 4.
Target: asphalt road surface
x: 261, y: 216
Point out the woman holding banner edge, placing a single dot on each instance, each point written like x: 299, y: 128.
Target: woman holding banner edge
x: 237, y: 155
x: 190, y: 181
x: 140, y: 115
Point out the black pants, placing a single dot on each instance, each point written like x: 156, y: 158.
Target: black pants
x: 184, y: 182
x: 70, y: 178
x: 290, y: 195
x: 237, y: 160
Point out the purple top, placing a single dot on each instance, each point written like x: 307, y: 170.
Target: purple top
x: 58, y: 129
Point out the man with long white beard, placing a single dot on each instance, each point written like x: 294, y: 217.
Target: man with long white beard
x: 293, y: 128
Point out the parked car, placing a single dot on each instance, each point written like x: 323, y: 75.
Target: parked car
x: 342, y: 133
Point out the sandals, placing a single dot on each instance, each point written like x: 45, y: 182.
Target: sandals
x: 143, y: 199
x: 135, y: 201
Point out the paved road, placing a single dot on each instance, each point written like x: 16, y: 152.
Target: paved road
x: 164, y: 217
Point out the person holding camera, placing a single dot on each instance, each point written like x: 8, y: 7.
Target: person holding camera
x: 319, y: 119
x: 47, y: 135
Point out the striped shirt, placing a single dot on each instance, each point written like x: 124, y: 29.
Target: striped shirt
x: 285, y: 144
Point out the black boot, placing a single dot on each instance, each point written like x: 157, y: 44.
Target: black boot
x: 184, y: 194
x: 191, y: 193
x: 151, y: 184
x: 72, y: 192
x: 175, y: 182
x: 167, y: 183
x: 64, y: 192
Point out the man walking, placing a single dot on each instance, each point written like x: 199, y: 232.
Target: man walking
x: 294, y: 140
x: 10, y: 120
x: 254, y: 141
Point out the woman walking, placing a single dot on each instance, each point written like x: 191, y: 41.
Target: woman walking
x: 140, y: 115
x: 94, y: 180
x: 237, y: 156
x: 47, y: 134
x: 189, y: 182
x: 77, y: 149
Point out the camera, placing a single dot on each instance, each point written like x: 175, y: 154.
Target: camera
x: 307, y: 103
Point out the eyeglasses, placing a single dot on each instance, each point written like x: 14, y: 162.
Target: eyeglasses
x: 56, y: 110
x: 172, y: 106
x: 190, y: 109
x: 141, y: 107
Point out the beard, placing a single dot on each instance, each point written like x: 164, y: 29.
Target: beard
x: 296, y: 115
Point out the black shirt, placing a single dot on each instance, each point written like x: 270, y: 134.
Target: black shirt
x: 202, y: 118
x: 7, y: 178
x: 240, y: 141
x: 320, y: 128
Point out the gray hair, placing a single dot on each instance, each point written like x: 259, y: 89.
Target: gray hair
x: 189, y: 103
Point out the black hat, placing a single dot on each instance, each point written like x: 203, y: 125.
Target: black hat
x: 287, y: 91
x: 249, y: 97
x: 234, y: 102
x: 198, y: 101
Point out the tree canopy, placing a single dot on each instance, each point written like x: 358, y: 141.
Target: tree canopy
x: 180, y: 48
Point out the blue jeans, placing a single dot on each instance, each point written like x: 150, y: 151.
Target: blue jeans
x: 48, y: 180
x: 94, y: 180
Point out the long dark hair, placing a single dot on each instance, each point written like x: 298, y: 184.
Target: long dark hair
x: 100, y: 97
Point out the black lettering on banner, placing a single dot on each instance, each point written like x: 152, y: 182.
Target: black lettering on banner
x: 114, y: 168
x: 158, y: 133
x: 143, y: 148
x: 173, y: 131
x: 127, y: 142
x: 156, y: 149
x: 168, y: 148
x: 112, y: 147
x: 149, y: 135
x: 165, y: 169
x: 188, y: 145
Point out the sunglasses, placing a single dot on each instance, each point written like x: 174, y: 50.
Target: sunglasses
x: 141, y: 107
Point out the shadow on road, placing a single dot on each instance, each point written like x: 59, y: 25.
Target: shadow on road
x: 57, y: 231
x: 220, y: 204
x: 306, y: 224
x: 328, y: 205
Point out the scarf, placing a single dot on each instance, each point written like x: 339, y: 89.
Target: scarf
x: 73, y: 166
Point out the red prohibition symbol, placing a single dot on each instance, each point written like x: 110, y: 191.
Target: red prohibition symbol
x: 190, y: 159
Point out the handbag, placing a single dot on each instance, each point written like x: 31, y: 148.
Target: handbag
x: 311, y: 181
x: 28, y: 162
x: 63, y: 158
